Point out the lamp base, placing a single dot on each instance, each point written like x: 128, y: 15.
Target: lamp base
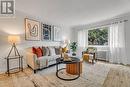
x: 16, y: 53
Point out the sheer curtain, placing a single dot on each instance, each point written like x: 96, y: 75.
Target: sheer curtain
x: 82, y: 41
x: 117, y: 44
x: 82, y: 38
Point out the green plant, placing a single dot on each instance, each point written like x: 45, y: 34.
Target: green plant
x: 73, y: 46
x: 98, y: 36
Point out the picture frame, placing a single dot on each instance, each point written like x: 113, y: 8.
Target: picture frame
x: 32, y: 30
x: 57, y: 33
x: 47, y: 32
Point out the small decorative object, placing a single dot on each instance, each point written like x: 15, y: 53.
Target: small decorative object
x: 57, y: 32
x: 64, y: 45
x: 66, y: 57
x: 46, y: 32
x: 73, y: 47
x: 32, y: 29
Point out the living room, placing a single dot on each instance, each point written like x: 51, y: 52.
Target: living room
x: 96, y: 33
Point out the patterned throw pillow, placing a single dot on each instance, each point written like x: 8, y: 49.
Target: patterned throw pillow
x: 90, y: 50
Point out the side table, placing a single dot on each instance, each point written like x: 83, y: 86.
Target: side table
x: 16, y: 69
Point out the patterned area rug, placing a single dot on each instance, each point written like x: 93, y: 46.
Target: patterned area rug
x: 92, y: 76
x: 117, y: 78
x: 97, y: 75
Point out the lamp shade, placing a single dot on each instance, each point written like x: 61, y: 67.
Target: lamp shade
x: 13, y: 39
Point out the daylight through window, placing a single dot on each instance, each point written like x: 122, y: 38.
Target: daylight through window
x: 98, y: 36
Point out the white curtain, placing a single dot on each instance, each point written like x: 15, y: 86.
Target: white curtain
x: 82, y: 38
x: 82, y: 42
x: 117, y: 44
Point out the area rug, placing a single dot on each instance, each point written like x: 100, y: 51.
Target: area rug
x: 113, y: 78
x: 117, y: 78
x: 94, y: 76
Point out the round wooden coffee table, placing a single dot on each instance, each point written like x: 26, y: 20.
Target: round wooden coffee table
x: 75, y: 63
x: 73, y: 69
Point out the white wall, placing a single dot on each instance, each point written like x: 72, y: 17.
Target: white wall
x: 10, y: 26
x: 96, y: 24
x: 66, y: 32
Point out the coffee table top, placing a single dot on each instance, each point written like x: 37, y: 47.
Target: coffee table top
x: 73, y: 60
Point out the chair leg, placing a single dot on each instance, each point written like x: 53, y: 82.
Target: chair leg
x: 35, y: 71
x: 92, y: 61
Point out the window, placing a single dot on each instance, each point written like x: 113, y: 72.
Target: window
x: 98, y: 36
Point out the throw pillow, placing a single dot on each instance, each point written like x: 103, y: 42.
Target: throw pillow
x: 52, y: 51
x: 90, y: 50
x: 47, y: 52
x: 57, y: 50
x: 34, y: 50
x: 44, y: 51
x: 39, y: 52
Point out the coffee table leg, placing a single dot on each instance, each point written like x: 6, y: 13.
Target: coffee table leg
x: 56, y: 69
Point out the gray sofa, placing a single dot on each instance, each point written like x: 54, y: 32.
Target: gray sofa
x: 42, y: 62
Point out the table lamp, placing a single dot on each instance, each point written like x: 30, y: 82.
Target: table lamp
x: 13, y: 39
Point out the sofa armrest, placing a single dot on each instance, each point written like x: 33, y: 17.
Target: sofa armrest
x: 31, y: 59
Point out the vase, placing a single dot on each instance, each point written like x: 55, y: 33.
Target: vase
x: 73, y: 54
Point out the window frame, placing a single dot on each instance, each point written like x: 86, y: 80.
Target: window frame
x: 99, y: 45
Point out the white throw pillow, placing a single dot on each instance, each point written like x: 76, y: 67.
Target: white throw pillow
x: 52, y: 51
x: 47, y: 52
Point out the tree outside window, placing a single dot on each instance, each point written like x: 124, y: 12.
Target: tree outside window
x: 98, y: 36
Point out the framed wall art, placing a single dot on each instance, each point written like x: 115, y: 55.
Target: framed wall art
x: 57, y: 33
x: 46, y: 32
x: 32, y: 30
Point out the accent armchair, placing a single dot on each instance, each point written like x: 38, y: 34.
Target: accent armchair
x: 90, y: 54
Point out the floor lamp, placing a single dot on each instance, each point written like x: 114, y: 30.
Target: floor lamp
x: 13, y: 40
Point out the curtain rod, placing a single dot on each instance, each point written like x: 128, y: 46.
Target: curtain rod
x: 109, y: 23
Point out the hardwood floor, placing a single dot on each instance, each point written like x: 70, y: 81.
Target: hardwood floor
x: 8, y: 81
x: 118, y: 76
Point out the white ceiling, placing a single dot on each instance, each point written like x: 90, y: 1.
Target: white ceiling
x: 73, y: 12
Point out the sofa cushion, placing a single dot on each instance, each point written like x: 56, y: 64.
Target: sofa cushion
x: 42, y: 61
x: 38, y: 52
x: 57, y: 50
x: 44, y: 51
x: 52, y: 51
x: 47, y: 51
x: 54, y: 57
x: 45, y: 61
x: 34, y: 50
